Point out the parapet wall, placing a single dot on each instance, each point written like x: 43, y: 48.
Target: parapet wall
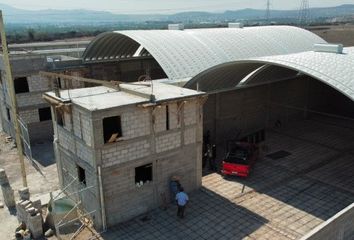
x: 339, y: 227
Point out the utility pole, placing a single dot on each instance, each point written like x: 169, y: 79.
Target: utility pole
x: 267, y: 16
x: 11, y: 91
x: 304, y: 13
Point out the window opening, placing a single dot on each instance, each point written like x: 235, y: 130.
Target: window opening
x: 167, y: 118
x: 8, y: 114
x: 143, y: 174
x: 44, y: 114
x: 59, y: 83
x: 21, y: 85
x: 81, y: 175
x: 112, y: 129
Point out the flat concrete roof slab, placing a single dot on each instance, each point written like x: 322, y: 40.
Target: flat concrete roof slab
x: 100, y: 98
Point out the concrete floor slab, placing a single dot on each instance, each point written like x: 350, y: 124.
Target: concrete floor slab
x: 282, y: 199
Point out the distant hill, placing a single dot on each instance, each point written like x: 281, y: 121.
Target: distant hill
x: 14, y: 15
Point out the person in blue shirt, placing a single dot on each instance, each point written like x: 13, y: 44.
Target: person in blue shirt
x: 181, y: 200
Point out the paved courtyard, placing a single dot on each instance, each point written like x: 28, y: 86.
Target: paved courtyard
x: 284, y: 198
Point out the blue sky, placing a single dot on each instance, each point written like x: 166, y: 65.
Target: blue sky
x: 165, y: 6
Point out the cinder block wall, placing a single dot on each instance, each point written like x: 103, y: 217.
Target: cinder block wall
x: 73, y: 149
x: 127, y: 71
x: 176, y: 151
x: 240, y: 112
x: 243, y: 111
x: 29, y: 102
x: 324, y: 98
x: 146, y: 141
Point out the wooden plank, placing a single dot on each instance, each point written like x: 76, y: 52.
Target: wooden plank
x: 112, y: 84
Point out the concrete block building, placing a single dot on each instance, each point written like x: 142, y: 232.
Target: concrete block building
x: 174, y: 55
x: 123, y: 146
x: 27, y: 60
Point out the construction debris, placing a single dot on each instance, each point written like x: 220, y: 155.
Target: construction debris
x: 30, y: 213
x: 49, y: 233
x: 3, y: 177
x: 24, y: 193
x: 7, y: 191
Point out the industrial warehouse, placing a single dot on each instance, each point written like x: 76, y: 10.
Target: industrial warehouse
x: 138, y: 108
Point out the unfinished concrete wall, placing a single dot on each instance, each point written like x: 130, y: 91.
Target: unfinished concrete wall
x: 237, y: 113
x: 40, y: 131
x: 74, y: 152
x: 288, y: 100
x: 28, y: 105
x: 88, y: 191
x: 127, y: 70
x: 30, y: 101
x: 338, y: 227
x: 172, y: 148
x: 125, y: 200
x: 83, y: 125
x: 323, y: 98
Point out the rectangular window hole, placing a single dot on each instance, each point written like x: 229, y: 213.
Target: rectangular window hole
x: 81, y: 175
x: 44, y: 114
x: 8, y: 114
x: 21, y: 85
x: 112, y: 129
x: 167, y: 118
x: 143, y: 174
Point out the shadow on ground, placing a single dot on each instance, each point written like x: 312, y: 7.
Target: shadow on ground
x: 314, y: 181
x: 43, y: 153
x: 208, y: 216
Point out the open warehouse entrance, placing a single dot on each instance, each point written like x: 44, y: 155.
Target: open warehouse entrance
x: 304, y: 104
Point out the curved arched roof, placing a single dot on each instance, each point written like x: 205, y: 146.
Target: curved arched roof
x: 186, y: 53
x: 335, y: 70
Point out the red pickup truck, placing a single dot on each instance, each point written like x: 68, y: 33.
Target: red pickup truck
x: 240, y: 159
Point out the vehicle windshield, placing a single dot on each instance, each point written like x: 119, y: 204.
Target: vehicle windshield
x: 237, y: 155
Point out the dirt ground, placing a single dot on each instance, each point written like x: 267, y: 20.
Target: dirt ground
x: 336, y: 34
x: 41, y: 179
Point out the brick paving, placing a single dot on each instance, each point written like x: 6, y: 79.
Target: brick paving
x: 282, y: 199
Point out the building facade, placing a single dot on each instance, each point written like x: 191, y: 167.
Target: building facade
x: 29, y: 86
x: 123, y: 148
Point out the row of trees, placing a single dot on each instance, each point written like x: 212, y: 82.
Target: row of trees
x: 17, y: 33
x: 32, y: 35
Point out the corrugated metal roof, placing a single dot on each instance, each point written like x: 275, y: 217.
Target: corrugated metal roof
x: 183, y: 54
x: 335, y: 70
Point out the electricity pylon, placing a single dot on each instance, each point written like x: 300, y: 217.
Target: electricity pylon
x: 304, y: 13
x: 267, y: 15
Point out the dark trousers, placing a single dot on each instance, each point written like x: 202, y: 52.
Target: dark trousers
x: 212, y: 164
x: 180, y: 211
